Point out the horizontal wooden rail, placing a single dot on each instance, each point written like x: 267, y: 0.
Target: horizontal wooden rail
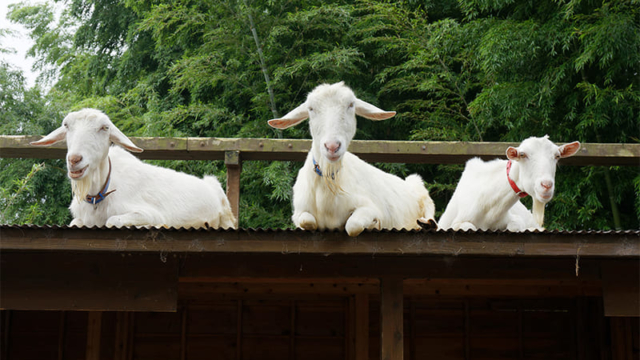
x: 416, y: 152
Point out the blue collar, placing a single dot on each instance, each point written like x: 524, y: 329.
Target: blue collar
x: 316, y: 167
x: 96, y: 199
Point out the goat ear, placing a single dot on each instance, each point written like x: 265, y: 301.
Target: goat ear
x: 294, y: 117
x: 513, y: 154
x: 371, y: 112
x: 570, y: 149
x: 55, y: 136
x: 117, y: 137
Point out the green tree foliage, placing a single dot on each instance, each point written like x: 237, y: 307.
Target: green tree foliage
x: 454, y: 70
x: 32, y: 191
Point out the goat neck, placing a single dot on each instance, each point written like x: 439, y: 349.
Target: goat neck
x: 327, y: 171
x: 501, y: 194
x: 93, y: 183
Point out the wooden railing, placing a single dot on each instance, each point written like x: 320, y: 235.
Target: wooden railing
x: 234, y: 151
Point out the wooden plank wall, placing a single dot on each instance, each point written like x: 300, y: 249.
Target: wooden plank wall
x: 303, y: 327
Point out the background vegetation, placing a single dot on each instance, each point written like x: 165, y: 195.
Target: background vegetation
x: 485, y: 70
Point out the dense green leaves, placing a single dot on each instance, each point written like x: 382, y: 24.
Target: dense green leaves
x: 472, y: 70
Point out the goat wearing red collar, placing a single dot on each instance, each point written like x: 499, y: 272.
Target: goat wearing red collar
x: 488, y: 193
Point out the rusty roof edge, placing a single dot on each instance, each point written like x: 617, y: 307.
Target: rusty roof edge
x: 604, y: 244
x: 635, y: 232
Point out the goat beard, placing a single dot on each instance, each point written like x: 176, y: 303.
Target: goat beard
x: 81, y: 188
x: 330, y: 175
x: 538, y: 211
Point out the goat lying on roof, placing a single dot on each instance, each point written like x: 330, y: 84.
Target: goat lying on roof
x: 488, y: 193
x: 337, y: 190
x: 114, y: 188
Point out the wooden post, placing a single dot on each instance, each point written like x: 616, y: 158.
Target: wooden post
x: 362, y: 326
x: 62, y: 332
x: 621, y: 338
x: 94, y: 333
x: 621, y: 288
x: 391, y: 323
x: 123, y: 334
x: 6, y: 334
x: 234, y: 168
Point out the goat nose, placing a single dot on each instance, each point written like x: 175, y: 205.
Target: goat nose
x: 74, y: 159
x: 547, y: 184
x: 332, y: 146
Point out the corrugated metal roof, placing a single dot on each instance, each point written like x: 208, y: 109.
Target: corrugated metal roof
x: 301, y: 231
x: 296, y: 241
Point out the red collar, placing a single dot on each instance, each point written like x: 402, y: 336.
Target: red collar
x: 513, y: 183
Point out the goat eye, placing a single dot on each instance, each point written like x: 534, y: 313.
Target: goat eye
x: 523, y: 155
x: 310, y: 109
x: 351, y: 105
x: 65, y: 125
x: 557, y: 156
x: 104, y: 128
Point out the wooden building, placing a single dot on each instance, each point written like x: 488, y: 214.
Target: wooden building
x: 79, y: 293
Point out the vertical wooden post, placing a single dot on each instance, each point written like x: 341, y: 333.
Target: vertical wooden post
x: 391, y: 322
x: 183, y: 334
x: 62, y: 332
x: 234, y: 168
x: 123, y: 330
x: 6, y: 333
x: 94, y: 327
x: 362, y: 326
x: 621, y: 338
x: 292, y: 338
x: 239, y: 332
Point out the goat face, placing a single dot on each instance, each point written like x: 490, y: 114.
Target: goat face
x: 332, y: 119
x: 331, y: 110
x: 88, y: 133
x: 538, y: 158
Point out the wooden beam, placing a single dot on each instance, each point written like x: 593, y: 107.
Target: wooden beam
x: 621, y: 288
x: 421, y: 152
x: 433, y: 267
x: 109, y: 282
x: 391, y: 319
x: 378, y: 243
x: 234, y: 169
x: 94, y: 333
x: 245, y: 288
x: 361, y: 327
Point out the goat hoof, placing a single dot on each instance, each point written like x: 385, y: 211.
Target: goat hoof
x: 308, y: 222
x: 427, y: 223
x: 354, y: 230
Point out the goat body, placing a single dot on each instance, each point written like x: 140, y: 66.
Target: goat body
x: 484, y: 198
x: 142, y: 194
x: 337, y: 190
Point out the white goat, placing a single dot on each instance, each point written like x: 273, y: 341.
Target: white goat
x: 337, y: 190
x: 129, y: 192
x: 488, y: 192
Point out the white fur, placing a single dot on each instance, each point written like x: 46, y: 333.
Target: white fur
x: 351, y: 194
x: 484, y: 199
x: 145, y: 195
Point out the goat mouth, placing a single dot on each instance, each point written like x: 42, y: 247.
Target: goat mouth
x: 77, y: 173
x: 545, y: 197
x: 333, y: 158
